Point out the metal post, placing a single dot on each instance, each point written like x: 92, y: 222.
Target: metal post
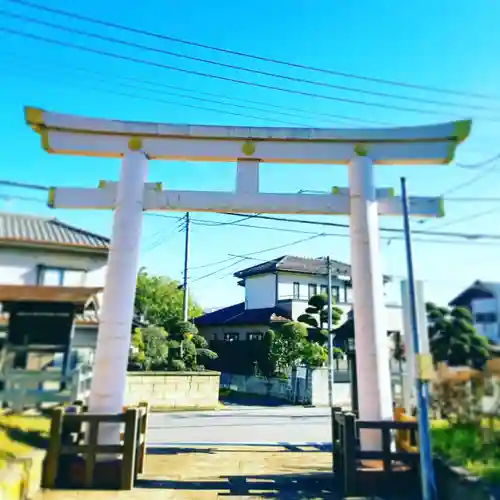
x: 422, y: 388
x: 185, y: 300
x: 330, y: 356
x: 330, y: 335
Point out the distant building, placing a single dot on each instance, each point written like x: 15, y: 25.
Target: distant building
x: 482, y: 298
x: 45, y: 251
x: 277, y: 291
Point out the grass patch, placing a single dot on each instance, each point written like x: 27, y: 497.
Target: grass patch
x: 467, y: 446
x: 20, y: 434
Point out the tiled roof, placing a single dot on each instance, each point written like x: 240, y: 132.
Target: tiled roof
x: 238, y: 315
x: 31, y: 229
x: 298, y: 265
x: 289, y: 263
x: 477, y: 289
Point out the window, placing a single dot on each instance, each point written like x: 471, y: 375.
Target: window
x: 296, y: 290
x: 58, y: 276
x: 323, y: 290
x: 336, y: 293
x: 254, y: 336
x: 348, y: 293
x: 486, y: 318
x: 312, y: 290
x: 231, y: 337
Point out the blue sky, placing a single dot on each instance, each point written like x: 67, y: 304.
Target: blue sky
x: 441, y: 44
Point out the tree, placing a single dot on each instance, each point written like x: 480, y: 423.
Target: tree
x: 267, y: 360
x: 453, y: 339
x: 316, y: 316
x: 149, y: 349
x: 314, y: 355
x: 159, y: 300
x: 192, y: 347
x: 288, y: 345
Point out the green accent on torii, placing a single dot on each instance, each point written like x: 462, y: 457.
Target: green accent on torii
x: 360, y: 150
x: 461, y: 130
x: 440, y: 207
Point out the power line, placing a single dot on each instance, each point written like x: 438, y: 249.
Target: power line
x: 193, y: 72
x: 156, y: 65
x: 286, y: 245
x: 387, y: 238
x: 480, y: 175
x: 246, y: 69
x: 173, y: 103
x: 470, y: 217
x: 479, y: 164
x: 467, y: 236
x: 254, y: 57
x: 102, y: 77
x: 384, y: 229
x: 309, y: 114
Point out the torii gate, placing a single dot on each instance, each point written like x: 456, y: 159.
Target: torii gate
x: 138, y: 142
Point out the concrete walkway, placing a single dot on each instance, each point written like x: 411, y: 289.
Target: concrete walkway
x: 228, y: 471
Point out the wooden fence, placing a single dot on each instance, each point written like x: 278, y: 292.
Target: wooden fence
x: 75, y: 434
x: 372, y: 472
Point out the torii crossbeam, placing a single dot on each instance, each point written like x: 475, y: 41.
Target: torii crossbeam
x: 138, y: 142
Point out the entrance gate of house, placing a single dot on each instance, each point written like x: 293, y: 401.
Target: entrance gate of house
x: 138, y: 142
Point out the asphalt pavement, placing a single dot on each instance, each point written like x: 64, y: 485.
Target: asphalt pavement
x: 242, y: 425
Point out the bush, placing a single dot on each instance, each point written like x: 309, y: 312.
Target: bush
x: 177, y: 365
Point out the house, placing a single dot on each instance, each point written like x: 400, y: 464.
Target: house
x: 482, y: 298
x: 45, y: 251
x: 276, y: 291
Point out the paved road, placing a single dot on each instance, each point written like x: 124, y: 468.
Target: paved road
x: 242, y: 425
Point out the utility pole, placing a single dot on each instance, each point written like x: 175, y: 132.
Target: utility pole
x: 330, y: 355
x: 422, y: 386
x: 185, y: 301
x: 330, y: 334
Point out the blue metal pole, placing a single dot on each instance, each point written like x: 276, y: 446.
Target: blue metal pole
x: 422, y: 387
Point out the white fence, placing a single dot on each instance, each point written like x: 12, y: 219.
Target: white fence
x: 29, y: 388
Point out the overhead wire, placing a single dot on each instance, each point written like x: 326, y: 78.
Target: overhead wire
x: 258, y: 252
x: 194, y: 72
x: 152, y: 64
x: 254, y: 71
x: 128, y: 95
x: 102, y: 77
x: 253, y: 56
x: 467, y: 236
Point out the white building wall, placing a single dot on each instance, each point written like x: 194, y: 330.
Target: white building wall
x: 482, y: 306
x: 260, y: 291
x: 19, y: 266
x: 286, y: 281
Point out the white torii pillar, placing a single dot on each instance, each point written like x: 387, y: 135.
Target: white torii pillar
x: 135, y: 142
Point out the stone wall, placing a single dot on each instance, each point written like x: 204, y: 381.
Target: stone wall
x: 168, y: 390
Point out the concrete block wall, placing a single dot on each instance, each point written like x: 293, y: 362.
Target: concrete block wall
x: 313, y: 389
x: 167, y: 390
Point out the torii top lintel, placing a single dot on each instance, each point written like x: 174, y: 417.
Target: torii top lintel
x: 82, y: 136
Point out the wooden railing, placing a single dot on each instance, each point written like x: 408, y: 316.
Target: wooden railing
x: 349, y: 456
x: 28, y: 388
x: 406, y: 439
x: 76, y: 433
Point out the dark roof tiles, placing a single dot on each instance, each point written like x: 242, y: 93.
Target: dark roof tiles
x: 290, y: 263
x: 238, y: 315
x: 30, y: 229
